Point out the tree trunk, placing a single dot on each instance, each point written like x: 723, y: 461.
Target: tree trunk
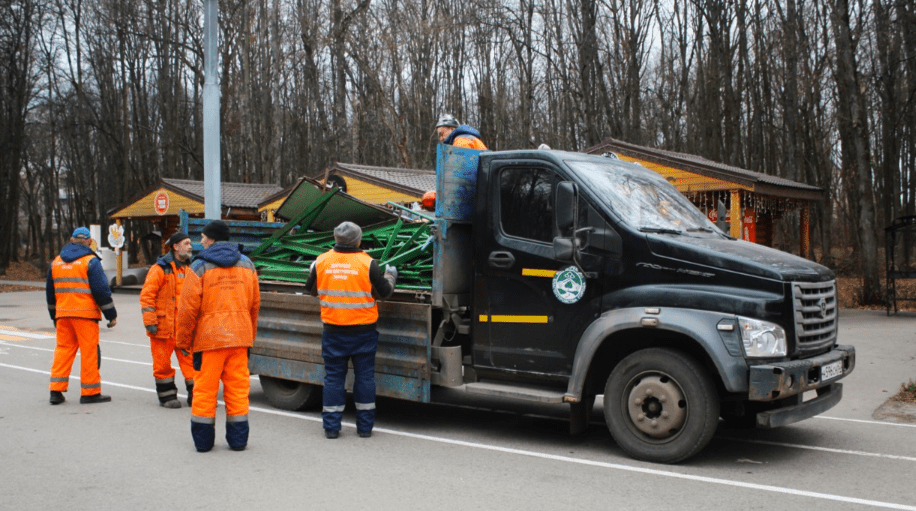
x: 852, y: 120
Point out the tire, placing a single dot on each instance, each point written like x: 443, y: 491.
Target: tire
x: 660, y: 405
x: 290, y: 395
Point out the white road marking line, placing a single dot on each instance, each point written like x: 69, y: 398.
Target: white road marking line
x: 28, y: 335
x: 817, y: 448
x: 125, y: 343
x: 148, y: 364
x: 564, y: 459
x: 4, y: 343
x: 866, y: 422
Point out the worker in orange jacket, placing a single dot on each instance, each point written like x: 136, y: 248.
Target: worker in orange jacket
x: 347, y: 281
x: 78, y: 295
x: 459, y: 135
x: 159, y: 305
x: 217, y: 322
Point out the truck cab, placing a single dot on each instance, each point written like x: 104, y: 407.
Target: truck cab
x: 560, y: 277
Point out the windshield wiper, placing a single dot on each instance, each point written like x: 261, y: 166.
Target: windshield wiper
x: 657, y: 230
x: 700, y: 229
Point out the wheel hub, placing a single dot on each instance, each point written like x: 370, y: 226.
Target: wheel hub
x: 657, y: 406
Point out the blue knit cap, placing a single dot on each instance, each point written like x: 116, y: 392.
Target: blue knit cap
x: 81, y: 233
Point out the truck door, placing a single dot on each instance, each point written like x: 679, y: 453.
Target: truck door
x: 526, y: 319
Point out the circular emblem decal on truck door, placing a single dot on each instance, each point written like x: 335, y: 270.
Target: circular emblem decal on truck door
x: 569, y: 285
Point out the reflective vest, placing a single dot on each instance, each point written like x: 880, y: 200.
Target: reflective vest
x: 470, y: 142
x: 71, y: 289
x: 344, y: 288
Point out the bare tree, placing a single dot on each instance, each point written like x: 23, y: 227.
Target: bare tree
x: 853, y: 124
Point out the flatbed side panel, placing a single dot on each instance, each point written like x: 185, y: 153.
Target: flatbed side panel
x: 288, y: 344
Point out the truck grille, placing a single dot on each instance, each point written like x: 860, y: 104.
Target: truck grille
x: 815, y: 316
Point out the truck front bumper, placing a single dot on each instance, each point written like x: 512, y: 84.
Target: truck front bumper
x: 772, y: 382
x: 827, y: 397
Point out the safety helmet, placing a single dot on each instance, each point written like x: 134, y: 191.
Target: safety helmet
x: 447, y: 121
x: 429, y: 200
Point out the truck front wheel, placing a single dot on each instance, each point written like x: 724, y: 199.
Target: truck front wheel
x: 290, y: 395
x: 660, y: 405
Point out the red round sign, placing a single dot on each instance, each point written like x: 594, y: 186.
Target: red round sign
x: 161, y: 203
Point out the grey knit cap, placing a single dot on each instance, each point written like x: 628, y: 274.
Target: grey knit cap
x: 348, y: 234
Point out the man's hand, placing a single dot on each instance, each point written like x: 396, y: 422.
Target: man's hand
x: 392, y: 270
x: 152, y: 329
x: 112, y: 322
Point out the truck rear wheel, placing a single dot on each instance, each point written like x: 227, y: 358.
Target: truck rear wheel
x: 660, y: 405
x: 290, y: 395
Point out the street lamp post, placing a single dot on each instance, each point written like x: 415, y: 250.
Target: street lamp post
x: 212, y: 191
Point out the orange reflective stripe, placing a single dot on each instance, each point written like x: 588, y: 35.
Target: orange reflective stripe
x: 344, y: 288
x: 71, y: 289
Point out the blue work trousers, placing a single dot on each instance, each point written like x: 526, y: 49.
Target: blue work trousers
x: 337, y: 349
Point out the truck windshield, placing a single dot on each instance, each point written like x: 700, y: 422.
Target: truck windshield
x: 643, y: 198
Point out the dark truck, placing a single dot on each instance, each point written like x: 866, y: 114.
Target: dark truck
x: 562, y: 276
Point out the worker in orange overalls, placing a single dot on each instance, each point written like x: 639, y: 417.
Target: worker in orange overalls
x: 217, y: 322
x: 159, y: 305
x: 78, y: 295
x: 459, y: 135
x: 347, y: 281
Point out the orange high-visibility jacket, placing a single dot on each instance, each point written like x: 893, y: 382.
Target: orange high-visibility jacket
x: 469, y: 141
x: 72, y: 291
x: 344, y: 288
x: 160, y: 294
x: 219, y: 301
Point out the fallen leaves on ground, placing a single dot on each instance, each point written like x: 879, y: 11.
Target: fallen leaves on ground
x: 22, y: 271
x: 907, y: 393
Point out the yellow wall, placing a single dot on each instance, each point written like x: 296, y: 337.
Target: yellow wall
x: 273, y: 206
x: 684, y: 181
x: 375, y: 194
x: 145, y: 206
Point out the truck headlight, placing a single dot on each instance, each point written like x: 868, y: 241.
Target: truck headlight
x: 762, y: 338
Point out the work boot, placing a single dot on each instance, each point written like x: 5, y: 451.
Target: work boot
x: 57, y: 397
x: 171, y: 403
x: 96, y: 398
x: 364, y: 434
x: 331, y: 434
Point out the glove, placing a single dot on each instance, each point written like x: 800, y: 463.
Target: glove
x: 152, y: 329
x: 392, y: 270
x: 186, y: 353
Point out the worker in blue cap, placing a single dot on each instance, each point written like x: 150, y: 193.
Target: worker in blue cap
x: 78, y: 296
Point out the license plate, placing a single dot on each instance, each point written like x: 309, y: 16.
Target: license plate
x: 831, y: 370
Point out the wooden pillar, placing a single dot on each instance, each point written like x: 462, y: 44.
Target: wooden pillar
x: 735, y: 211
x: 805, y: 230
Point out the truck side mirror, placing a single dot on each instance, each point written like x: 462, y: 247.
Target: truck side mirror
x: 566, y: 206
x: 563, y: 249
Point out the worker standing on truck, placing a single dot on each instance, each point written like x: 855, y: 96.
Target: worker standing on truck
x: 78, y: 295
x: 348, y: 281
x: 459, y: 135
x: 159, y: 305
x: 217, y: 322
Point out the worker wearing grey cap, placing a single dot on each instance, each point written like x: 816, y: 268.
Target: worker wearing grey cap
x: 450, y: 132
x: 347, y: 282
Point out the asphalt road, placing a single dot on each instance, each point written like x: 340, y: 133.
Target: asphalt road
x: 466, y: 455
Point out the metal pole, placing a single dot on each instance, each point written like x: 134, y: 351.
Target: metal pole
x: 212, y: 191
